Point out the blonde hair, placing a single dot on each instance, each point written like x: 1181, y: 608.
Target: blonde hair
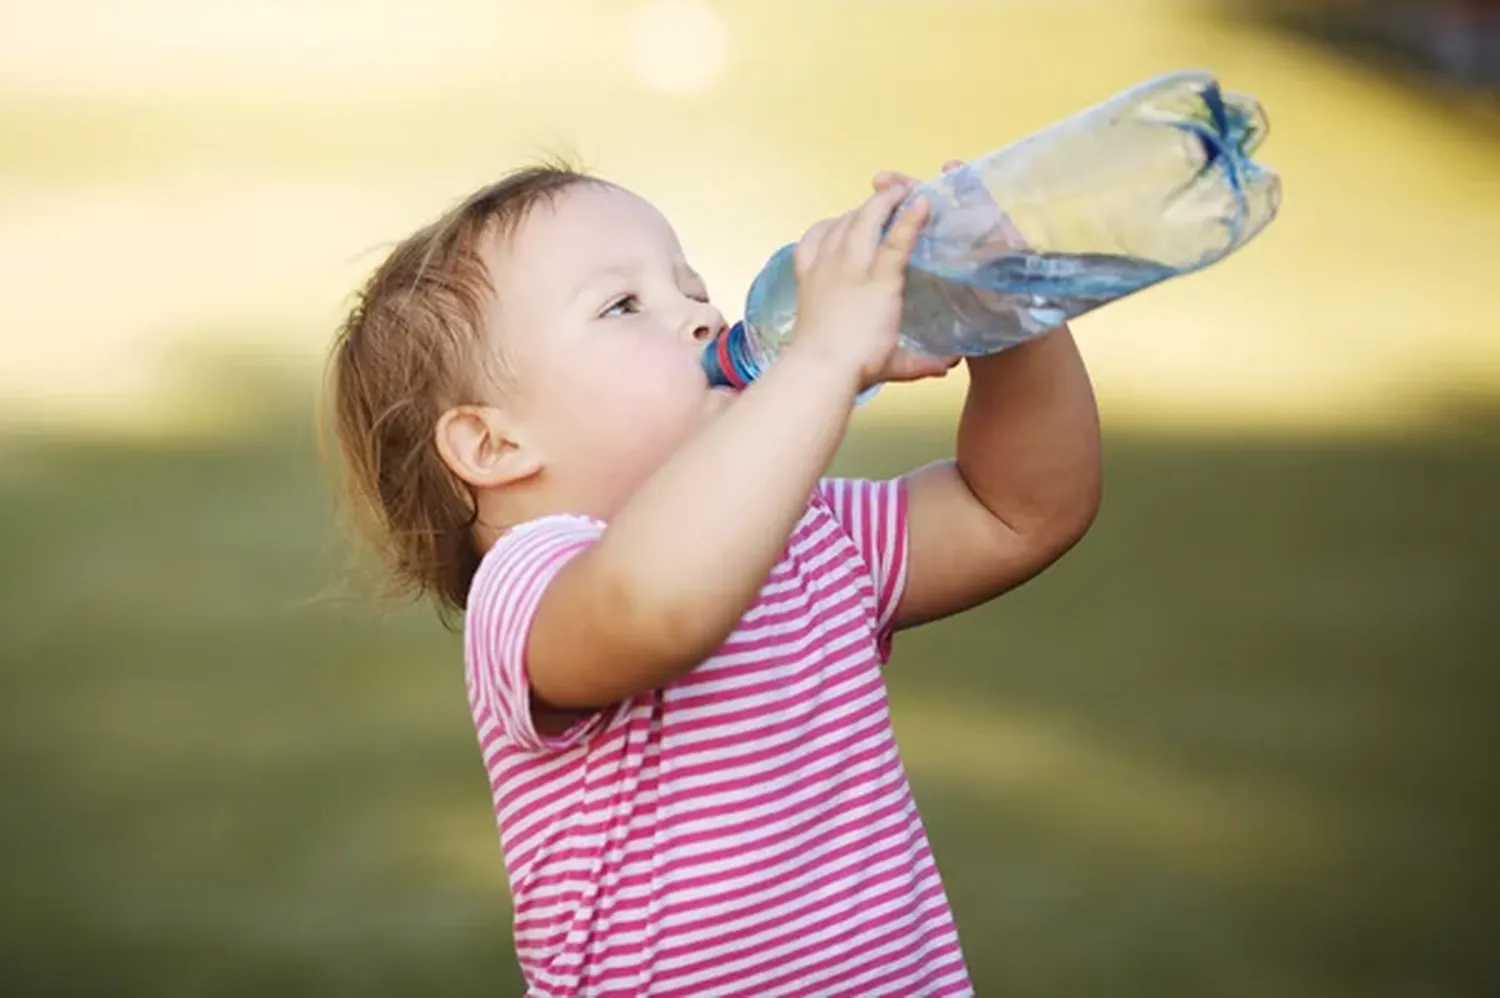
x: 412, y: 346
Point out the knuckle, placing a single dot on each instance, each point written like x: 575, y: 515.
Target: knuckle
x: 803, y: 259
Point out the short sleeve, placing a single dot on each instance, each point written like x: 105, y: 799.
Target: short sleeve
x: 873, y: 514
x: 502, y: 604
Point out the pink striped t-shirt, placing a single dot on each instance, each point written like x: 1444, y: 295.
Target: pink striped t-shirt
x: 746, y: 830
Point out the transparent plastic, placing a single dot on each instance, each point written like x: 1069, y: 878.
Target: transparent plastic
x: 1155, y: 183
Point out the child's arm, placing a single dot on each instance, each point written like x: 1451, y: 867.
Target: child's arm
x: 1026, y: 482
x: 679, y: 565
x: 1024, y: 488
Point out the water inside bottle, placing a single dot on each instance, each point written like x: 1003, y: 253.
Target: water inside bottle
x: 1154, y: 184
x: 1056, y: 287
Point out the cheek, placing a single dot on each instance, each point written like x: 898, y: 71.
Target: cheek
x: 658, y: 390
x: 634, y: 399
x: 654, y: 371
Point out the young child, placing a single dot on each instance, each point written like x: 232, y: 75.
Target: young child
x: 674, y: 625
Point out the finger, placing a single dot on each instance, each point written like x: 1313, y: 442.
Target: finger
x: 929, y: 365
x: 838, y: 234
x: 811, y: 244
x: 872, y: 216
x: 895, y: 249
x: 907, y: 366
x: 913, y: 371
x: 888, y: 178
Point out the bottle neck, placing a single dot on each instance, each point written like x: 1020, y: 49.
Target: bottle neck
x: 726, y: 360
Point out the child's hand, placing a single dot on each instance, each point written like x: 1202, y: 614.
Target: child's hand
x: 850, y: 281
x: 904, y: 365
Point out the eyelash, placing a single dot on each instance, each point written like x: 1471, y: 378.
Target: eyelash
x: 623, y: 299
x: 635, y: 301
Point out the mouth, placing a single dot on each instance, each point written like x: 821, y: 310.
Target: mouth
x: 723, y: 359
x: 720, y: 398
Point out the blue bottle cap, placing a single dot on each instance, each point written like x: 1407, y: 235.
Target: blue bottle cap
x: 718, y: 359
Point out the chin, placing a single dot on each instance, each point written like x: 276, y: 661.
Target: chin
x: 718, y: 398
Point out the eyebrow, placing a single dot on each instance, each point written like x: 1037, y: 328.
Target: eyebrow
x: 681, y: 271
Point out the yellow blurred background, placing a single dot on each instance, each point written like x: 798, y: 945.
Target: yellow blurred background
x: 182, y: 175
x: 1236, y: 744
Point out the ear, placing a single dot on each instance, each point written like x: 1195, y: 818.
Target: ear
x: 479, y: 445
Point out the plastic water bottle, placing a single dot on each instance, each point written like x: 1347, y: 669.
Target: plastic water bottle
x: 1155, y: 183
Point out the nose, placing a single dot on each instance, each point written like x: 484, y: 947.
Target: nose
x: 704, y: 323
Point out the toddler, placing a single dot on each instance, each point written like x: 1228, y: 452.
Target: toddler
x: 675, y: 626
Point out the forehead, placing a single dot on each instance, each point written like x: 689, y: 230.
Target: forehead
x: 586, y: 229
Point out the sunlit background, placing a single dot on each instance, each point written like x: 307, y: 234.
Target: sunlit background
x: 1236, y: 744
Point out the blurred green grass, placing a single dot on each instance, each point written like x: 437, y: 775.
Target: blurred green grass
x: 1238, y: 743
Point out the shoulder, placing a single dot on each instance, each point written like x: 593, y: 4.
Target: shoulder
x: 532, y: 541
x: 517, y: 567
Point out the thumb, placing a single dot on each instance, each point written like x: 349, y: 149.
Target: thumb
x: 908, y: 366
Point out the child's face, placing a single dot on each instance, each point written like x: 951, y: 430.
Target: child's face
x: 602, y: 322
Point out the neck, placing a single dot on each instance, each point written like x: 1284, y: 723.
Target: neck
x: 502, y: 509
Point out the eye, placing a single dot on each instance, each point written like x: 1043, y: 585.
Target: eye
x: 624, y: 305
